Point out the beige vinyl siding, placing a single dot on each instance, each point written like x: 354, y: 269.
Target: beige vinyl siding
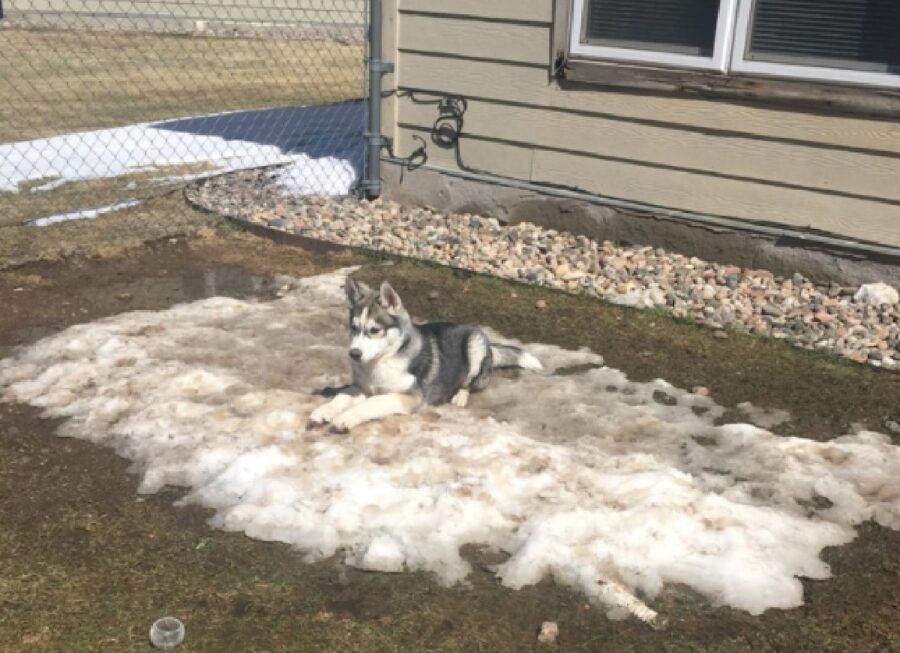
x: 473, y: 38
x: 741, y: 156
x: 538, y: 11
x: 672, y: 188
x: 751, y: 161
x: 528, y: 84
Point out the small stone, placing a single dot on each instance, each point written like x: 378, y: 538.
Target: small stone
x: 549, y: 633
x: 540, y: 304
x: 875, y: 355
x: 722, y: 335
x: 893, y: 426
x: 701, y: 390
x: 434, y: 294
x: 124, y: 296
x: 657, y: 297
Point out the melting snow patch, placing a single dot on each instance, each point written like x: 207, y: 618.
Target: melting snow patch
x: 307, y: 176
x: 584, y: 475
x: 81, y: 215
x: 765, y: 417
x: 232, y: 141
x: 876, y: 294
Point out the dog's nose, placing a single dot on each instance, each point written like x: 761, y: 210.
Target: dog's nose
x: 355, y: 354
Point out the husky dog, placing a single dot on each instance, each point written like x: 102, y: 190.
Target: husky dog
x: 398, y: 366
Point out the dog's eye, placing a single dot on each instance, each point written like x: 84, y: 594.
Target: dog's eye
x: 375, y: 331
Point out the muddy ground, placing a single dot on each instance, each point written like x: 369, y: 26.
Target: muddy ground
x: 86, y: 564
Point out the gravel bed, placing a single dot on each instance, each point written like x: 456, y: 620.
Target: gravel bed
x: 862, y: 324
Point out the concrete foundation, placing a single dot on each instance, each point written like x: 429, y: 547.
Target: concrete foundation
x: 781, y: 255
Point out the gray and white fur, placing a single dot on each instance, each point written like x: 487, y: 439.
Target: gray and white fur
x: 398, y: 366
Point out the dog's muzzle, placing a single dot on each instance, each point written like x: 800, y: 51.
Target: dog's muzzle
x: 356, y: 354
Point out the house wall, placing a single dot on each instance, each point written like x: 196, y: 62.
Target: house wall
x: 751, y: 161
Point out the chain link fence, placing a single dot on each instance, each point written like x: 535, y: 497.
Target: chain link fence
x: 108, y: 102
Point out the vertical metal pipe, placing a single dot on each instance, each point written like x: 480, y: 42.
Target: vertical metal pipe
x: 371, y: 183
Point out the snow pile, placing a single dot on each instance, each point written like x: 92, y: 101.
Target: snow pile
x: 307, y: 176
x: 876, y: 294
x: 321, y: 143
x: 613, y: 487
x: 767, y: 418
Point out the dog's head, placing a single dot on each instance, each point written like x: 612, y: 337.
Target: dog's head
x: 377, y: 321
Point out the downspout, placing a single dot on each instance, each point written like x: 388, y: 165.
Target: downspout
x: 371, y: 182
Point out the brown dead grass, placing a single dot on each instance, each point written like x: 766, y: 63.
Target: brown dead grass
x: 86, y: 564
x: 59, y: 81
x: 18, y: 208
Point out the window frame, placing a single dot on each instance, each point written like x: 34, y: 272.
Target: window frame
x: 729, y: 58
x: 719, y: 60
x: 741, y: 64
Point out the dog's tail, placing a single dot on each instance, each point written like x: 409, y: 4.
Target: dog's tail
x: 509, y: 356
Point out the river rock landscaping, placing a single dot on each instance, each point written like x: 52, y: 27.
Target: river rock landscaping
x: 859, y: 323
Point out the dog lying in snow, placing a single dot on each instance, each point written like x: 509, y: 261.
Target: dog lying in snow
x: 398, y: 366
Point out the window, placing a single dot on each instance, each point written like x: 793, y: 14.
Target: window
x: 682, y: 33
x: 852, y: 41
x: 839, y: 40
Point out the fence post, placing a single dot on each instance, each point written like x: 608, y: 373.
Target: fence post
x: 371, y: 183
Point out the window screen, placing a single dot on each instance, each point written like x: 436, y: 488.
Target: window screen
x: 856, y: 34
x: 682, y: 26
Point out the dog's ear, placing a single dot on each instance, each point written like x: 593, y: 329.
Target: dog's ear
x: 356, y: 290
x: 390, y: 300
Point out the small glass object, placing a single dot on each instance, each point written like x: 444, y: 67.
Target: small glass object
x: 166, y: 633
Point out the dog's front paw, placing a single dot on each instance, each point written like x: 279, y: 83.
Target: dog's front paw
x: 342, y: 424
x: 461, y: 398
x: 318, y: 418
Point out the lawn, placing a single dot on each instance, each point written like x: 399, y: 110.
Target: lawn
x: 60, y: 81
x: 87, y: 564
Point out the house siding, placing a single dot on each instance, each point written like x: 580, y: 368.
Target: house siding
x: 839, y: 174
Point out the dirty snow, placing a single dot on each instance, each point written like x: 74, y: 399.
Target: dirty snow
x: 320, y: 141
x: 876, y: 294
x: 612, y: 487
x: 82, y: 214
x: 767, y: 418
x: 302, y: 177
